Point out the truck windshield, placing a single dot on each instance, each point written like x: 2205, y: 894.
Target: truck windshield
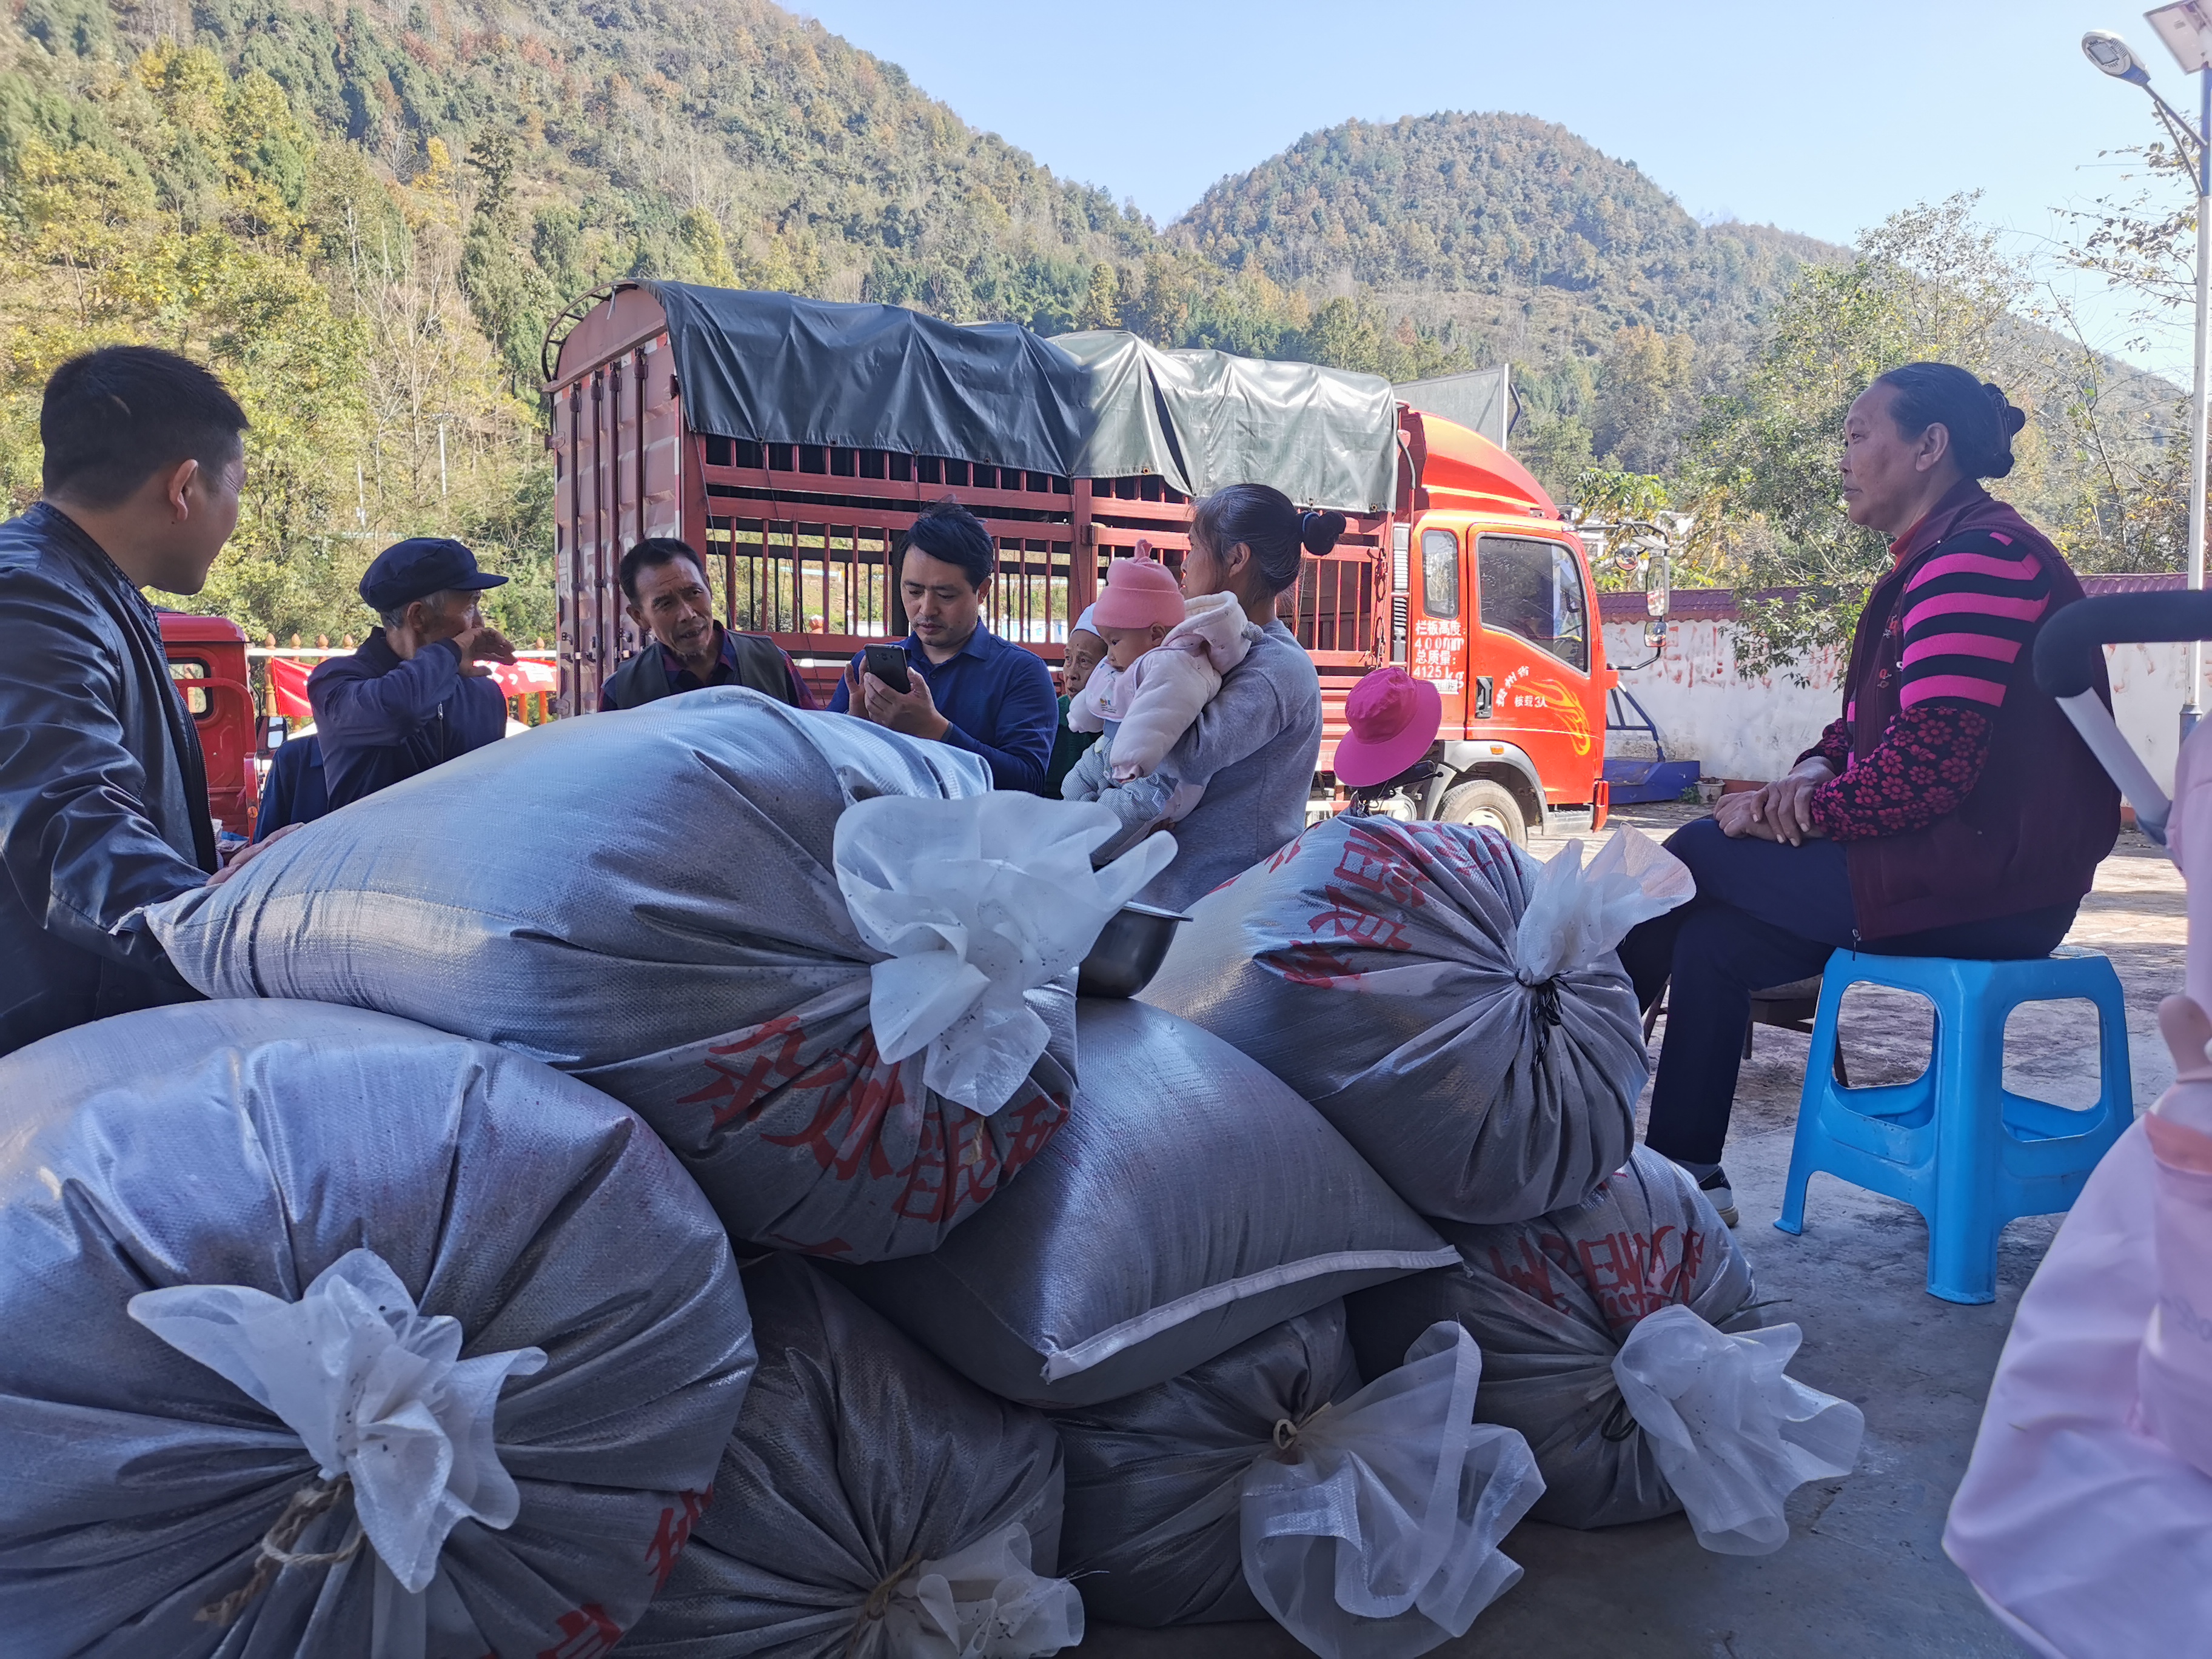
x: 1534, y: 589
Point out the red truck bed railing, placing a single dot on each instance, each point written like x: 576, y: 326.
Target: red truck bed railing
x: 798, y: 537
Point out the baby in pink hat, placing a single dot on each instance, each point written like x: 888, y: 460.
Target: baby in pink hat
x: 1165, y: 658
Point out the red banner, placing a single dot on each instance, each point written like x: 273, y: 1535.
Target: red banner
x: 289, y: 680
x: 526, y: 677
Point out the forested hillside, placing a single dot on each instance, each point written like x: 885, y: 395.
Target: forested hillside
x: 1514, y: 235
x: 365, y: 215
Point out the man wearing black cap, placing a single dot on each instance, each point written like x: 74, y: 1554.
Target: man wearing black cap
x: 418, y: 693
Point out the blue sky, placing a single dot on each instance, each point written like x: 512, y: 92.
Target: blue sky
x: 1819, y: 117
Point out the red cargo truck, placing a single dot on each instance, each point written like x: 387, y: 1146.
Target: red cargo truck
x: 207, y: 659
x: 1471, y: 578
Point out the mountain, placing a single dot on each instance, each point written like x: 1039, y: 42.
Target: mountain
x: 1451, y: 211
x: 704, y: 137
x: 366, y: 212
x: 1515, y: 241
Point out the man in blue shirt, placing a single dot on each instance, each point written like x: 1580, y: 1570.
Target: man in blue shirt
x: 968, y: 687
x: 418, y: 693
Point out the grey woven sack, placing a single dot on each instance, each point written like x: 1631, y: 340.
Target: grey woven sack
x: 250, y: 1152
x: 860, y: 1470
x: 1191, y: 1202
x: 1372, y: 965
x: 648, y: 900
x: 1155, y: 1479
x: 1549, y: 1302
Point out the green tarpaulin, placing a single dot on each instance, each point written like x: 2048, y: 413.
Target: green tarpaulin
x: 1325, y: 437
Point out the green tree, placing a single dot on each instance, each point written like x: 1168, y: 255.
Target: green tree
x: 1929, y: 284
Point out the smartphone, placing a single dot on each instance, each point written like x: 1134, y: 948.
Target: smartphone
x: 888, y: 664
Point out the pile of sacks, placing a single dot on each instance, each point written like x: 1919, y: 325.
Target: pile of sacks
x: 392, y: 1302
x: 1458, y: 1012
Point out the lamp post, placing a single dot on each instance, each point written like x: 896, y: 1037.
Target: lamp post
x: 2187, y: 31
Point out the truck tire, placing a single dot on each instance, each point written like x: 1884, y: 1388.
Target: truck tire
x: 1486, y: 803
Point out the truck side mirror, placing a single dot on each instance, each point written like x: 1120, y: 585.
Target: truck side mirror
x: 274, y: 728
x: 1658, y: 584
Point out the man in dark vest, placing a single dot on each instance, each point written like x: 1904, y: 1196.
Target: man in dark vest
x: 665, y: 581
x: 103, y: 791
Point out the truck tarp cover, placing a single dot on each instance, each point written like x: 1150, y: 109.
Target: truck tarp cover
x: 1324, y: 437
x: 776, y: 368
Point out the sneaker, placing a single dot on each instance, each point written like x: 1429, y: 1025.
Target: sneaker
x: 1718, y: 1192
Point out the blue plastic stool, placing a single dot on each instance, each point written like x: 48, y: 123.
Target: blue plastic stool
x: 1955, y: 1143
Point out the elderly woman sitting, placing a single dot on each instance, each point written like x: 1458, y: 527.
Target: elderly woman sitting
x: 1950, y: 812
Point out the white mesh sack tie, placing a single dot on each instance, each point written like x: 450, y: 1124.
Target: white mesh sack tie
x: 1372, y: 1530
x: 980, y: 1603
x: 390, y: 1412
x: 1733, y: 1434
x: 974, y: 903
x: 1577, y: 915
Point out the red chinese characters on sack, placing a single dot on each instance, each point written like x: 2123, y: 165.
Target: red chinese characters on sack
x: 586, y: 1633
x: 940, y: 1187
x: 845, y: 1107
x: 1628, y: 1274
x: 1531, y: 1274
x: 674, y: 1531
x: 747, y: 1072
x: 1464, y: 853
x: 856, y: 1092
x: 1373, y: 865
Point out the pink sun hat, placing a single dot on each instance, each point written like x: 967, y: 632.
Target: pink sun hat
x: 1393, y: 719
x: 1139, y: 592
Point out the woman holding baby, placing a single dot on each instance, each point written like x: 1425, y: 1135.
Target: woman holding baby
x: 1210, y: 708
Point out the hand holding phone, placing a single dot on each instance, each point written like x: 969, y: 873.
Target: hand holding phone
x: 888, y: 664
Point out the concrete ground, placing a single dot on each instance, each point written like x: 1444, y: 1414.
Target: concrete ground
x: 1863, y: 1573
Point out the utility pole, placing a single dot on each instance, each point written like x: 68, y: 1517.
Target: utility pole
x: 2187, y: 31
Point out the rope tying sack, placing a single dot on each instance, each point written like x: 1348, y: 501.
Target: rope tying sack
x: 1287, y: 1433
x: 1544, y: 1009
x: 878, y: 1604
x: 305, y: 1507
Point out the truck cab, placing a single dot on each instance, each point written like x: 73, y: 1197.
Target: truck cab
x: 207, y: 660
x: 1494, y: 605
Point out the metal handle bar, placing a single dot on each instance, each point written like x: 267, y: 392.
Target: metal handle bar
x: 2067, y: 653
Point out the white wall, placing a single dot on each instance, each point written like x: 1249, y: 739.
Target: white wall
x: 1740, y: 728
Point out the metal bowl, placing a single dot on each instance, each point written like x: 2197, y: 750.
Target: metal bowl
x: 1129, y: 951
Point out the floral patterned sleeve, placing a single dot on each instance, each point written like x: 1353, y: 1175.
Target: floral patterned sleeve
x: 1927, y: 763
x: 1834, y: 746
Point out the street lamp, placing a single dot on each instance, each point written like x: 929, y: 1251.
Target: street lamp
x: 2187, y: 31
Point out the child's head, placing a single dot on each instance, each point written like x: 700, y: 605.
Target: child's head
x: 1086, y: 650
x: 1125, y: 645
x: 1141, y: 602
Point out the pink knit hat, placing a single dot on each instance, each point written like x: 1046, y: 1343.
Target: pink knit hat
x: 1393, y: 719
x: 1138, y: 593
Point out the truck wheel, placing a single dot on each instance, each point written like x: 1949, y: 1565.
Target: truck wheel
x: 1486, y: 805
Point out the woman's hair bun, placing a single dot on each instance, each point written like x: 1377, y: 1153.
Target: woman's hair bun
x: 1265, y: 520
x: 1980, y: 418
x: 1318, y: 531
x: 2010, y: 418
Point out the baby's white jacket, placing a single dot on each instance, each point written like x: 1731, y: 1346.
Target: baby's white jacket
x: 1157, y: 697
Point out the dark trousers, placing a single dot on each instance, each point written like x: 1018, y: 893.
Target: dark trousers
x: 1765, y: 914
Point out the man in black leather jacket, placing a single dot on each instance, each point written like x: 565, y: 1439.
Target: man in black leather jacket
x: 103, y: 792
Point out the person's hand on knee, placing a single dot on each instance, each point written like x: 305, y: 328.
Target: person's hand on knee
x: 1787, y: 804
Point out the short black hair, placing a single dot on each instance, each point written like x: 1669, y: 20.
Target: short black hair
x: 653, y: 552
x: 950, y: 532
x: 114, y: 417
